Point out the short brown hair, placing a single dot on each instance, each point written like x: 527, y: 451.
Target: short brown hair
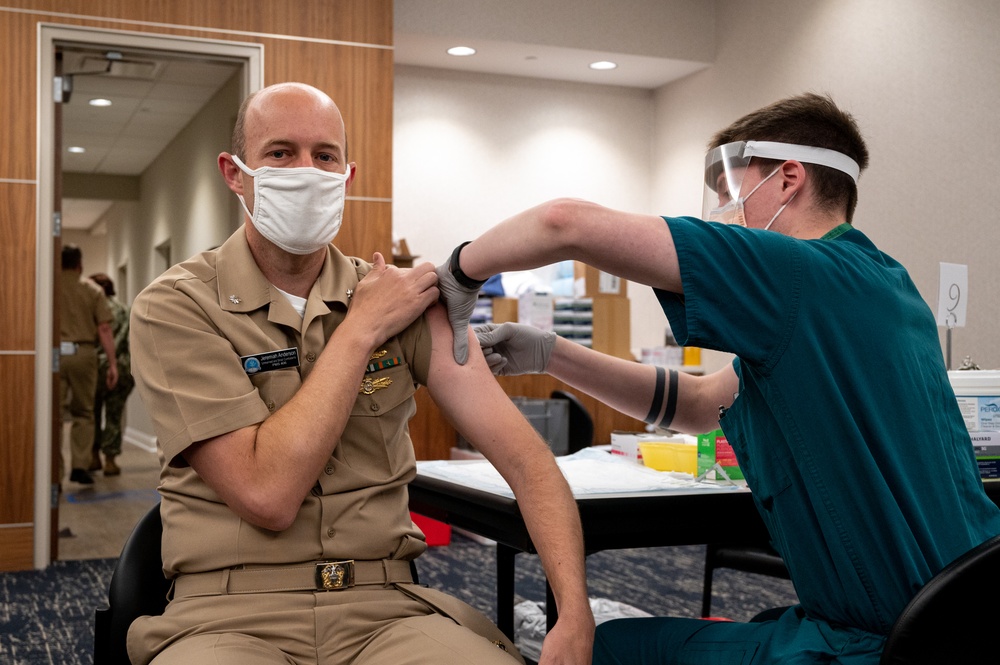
x: 239, y: 130
x: 812, y: 120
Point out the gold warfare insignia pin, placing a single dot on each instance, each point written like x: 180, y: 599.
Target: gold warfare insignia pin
x: 379, y: 354
x: 369, y: 385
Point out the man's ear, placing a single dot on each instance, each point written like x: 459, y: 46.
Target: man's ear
x: 350, y: 178
x: 231, y: 173
x: 793, y: 179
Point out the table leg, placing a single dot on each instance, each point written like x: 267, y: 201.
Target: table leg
x: 505, y: 589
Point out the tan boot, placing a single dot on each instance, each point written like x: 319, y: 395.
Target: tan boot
x: 110, y: 468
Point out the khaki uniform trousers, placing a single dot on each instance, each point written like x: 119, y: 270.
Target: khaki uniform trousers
x: 358, y: 626
x: 78, y: 382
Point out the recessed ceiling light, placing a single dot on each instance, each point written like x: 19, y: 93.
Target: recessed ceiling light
x: 461, y: 50
x: 603, y: 64
x: 76, y: 149
x: 100, y: 102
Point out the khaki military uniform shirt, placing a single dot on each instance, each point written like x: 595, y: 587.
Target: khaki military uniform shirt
x: 198, y: 333
x: 82, y: 307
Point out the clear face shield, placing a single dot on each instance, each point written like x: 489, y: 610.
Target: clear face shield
x: 726, y: 166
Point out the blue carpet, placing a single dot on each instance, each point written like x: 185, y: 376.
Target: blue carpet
x: 48, y: 616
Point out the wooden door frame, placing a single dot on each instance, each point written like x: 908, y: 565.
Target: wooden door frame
x: 49, y: 35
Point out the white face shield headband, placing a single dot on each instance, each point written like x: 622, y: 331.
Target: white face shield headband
x: 726, y: 166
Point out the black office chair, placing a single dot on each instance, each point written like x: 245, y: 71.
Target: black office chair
x: 137, y: 588
x: 952, y: 618
x: 581, y: 425
x: 762, y: 560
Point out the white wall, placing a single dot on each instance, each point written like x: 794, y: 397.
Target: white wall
x: 472, y: 149
x: 922, y: 78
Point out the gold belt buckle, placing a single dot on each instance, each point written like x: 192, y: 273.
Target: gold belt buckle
x: 334, y: 575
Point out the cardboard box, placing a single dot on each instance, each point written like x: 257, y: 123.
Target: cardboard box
x: 713, y: 448
x: 626, y: 444
x: 505, y: 310
x: 597, y: 283
x: 612, y: 333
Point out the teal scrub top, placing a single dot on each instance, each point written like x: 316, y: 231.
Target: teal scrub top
x: 845, y: 425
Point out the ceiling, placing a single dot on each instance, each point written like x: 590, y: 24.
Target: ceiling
x: 155, y: 95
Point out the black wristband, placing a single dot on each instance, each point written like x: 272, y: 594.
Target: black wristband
x: 456, y: 270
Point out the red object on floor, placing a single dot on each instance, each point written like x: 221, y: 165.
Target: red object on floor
x: 437, y: 533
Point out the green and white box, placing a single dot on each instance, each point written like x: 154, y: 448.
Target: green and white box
x: 714, y: 448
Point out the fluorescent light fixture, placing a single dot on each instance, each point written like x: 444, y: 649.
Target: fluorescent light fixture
x: 77, y: 150
x: 603, y: 64
x: 100, y: 102
x: 461, y: 50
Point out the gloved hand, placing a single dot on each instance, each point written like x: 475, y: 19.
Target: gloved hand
x: 460, y: 301
x: 515, y: 348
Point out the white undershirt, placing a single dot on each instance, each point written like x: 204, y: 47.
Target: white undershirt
x: 298, y: 303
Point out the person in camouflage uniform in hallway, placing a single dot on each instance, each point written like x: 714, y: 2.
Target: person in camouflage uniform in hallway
x: 108, y: 430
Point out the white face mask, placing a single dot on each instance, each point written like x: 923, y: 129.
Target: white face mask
x: 298, y: 209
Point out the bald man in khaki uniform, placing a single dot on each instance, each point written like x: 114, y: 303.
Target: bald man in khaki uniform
x: 280, y: 375
x: 84, y: 320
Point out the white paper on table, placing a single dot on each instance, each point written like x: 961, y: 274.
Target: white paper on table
x: 589, y: 472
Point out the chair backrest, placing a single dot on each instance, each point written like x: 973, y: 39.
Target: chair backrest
x: 581, y: 425
x: 952, y: 617
x: 137, y: 588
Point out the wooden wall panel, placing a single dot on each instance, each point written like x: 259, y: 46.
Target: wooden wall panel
x: 17, y: 433
x: 360, y: 81
x: 361, y: 21
x: 17, y: 266
x: 17, y: 80
x: 15, y: 548
x: 367, y: 228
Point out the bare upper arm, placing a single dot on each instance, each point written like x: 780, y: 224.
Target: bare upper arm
x: 470, y: 397
x: 637, y: 247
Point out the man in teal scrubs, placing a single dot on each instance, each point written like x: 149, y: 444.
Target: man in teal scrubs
x: 837, y: 404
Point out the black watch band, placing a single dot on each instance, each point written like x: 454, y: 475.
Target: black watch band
x: 456, y: 270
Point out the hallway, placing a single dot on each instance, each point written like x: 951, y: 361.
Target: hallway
x: 95, y: 520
